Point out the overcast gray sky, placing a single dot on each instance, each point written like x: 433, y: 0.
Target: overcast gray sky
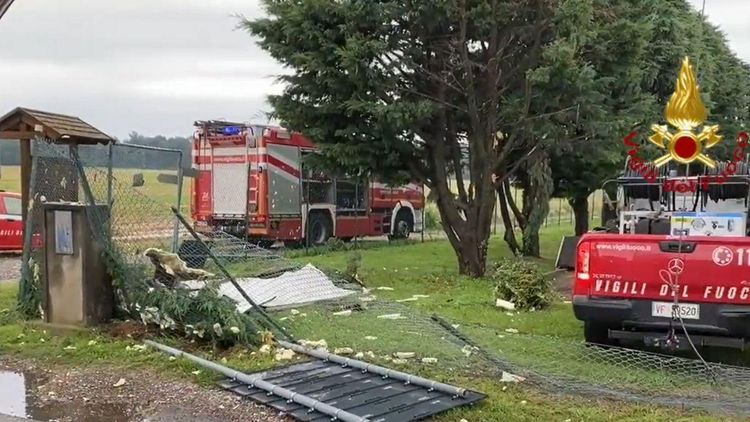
x: 155, y: 66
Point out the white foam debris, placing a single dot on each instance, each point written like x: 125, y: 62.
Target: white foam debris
x: 343, y: 351
x: 370, y: 338
x: 314, y: 344
x: 390, y: 316
x: 404, y: 355
x: 284, y: 354
x: 467, y: 350
x: 400, y: 361
x: 343, y: 313
x: 265, y: 349
x: 511, y: 330
x: 508, y: 377
x: 359, y: 355
x: 510, y: 306
x: 410, y: 299
x: 390, y: 289
x: 429, y: 360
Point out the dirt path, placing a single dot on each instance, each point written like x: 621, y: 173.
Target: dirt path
x: 90, y: 394
x: 10, y: 267
x: 562, y: 282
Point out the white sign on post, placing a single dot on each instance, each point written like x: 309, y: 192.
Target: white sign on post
x: 63, y: 232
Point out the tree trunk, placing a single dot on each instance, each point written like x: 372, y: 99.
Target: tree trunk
x: 580, y: 205
x: 510, y: 235
x: 469, y: 241
x: 520, y: 219
x: 472, y: 260
x: 468, y: 230
x: 537, y: 191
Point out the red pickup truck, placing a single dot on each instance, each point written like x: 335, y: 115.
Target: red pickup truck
x: 672, y: 261
x: 11, y: 224
x: 622, y: 289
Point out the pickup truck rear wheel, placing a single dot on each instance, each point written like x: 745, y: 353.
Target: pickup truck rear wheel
x: 597, y: 333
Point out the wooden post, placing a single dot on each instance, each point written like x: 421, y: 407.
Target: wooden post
x: 25, y: 182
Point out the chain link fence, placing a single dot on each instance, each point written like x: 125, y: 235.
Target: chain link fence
x: 233, y: 291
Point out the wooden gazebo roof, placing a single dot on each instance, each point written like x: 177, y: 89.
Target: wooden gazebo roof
x: 24, y: 123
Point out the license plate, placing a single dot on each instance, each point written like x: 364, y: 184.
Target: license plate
x: 687, y: 310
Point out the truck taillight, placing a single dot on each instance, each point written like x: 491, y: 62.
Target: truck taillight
x: 583, y: 277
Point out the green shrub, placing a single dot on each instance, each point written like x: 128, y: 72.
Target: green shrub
x: 522, y: 283
x: 335, y: 244
x: 431, y: 219
x: 353, y: 263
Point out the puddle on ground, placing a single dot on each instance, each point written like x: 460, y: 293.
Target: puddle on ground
x: 17, y: 398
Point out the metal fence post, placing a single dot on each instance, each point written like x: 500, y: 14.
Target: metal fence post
x: 424, y: 211
x: 356, y: 213
x: 176, y: 234
x: 307, y: 216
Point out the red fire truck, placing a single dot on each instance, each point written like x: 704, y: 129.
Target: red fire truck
x: 251, y: 181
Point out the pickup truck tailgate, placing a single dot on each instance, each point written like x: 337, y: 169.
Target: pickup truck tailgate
x: 706, y: 270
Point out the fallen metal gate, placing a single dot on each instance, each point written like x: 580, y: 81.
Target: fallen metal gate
x: 341, y: 388
x: 371, y: 396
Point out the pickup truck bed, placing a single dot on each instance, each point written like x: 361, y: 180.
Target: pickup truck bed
x: 625, y: 286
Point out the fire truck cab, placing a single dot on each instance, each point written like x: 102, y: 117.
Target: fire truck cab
x: 251, y: 182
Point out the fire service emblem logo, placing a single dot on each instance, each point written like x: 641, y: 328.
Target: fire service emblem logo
x: 722, y: 256
x: 685, y: 111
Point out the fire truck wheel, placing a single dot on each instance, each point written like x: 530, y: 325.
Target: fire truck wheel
x: 597, y: 333
x: 403, y: 225
x: 320, y: 228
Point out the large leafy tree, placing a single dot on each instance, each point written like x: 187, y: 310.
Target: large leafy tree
x: 394, y: 87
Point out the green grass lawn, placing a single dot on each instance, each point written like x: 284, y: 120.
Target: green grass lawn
x: 415, y: 268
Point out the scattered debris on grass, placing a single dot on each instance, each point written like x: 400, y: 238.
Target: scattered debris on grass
x: 390, y: 289
x: 511, y: 330
x: 284, y: 354
x: 318, y: 344
x: 346, y: 312
x: 404, y: 355
x: 343, y: 351
x: 508, y: 377
x: 504, y: 304
x: 265, y: 349
x: 370, y: 338
x: 390, y: 316
x: 429, y: 360
x: 119, y: 383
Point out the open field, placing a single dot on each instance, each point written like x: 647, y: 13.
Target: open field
x: 414, y: 268
x: 10, y: 180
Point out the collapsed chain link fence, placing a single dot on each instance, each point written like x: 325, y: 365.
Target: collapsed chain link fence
x: 237, y: 291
